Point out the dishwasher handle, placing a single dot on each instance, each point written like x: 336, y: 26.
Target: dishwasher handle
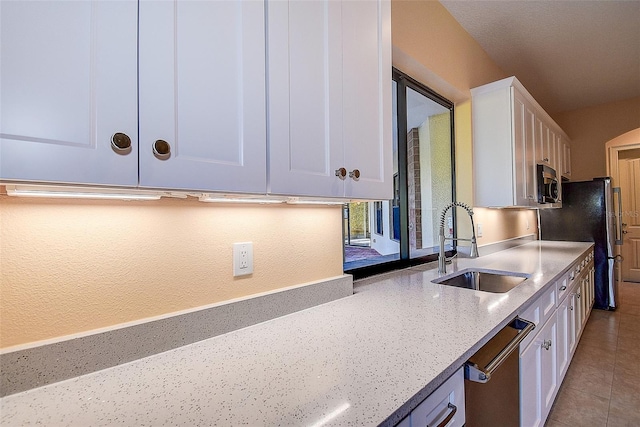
x: 475, y: 373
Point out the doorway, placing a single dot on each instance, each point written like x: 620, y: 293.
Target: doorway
x: 629, y: 172
x: 624, y: 167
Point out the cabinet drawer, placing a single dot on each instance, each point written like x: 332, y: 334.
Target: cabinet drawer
x: 539, y: 312
x: 435, y: 408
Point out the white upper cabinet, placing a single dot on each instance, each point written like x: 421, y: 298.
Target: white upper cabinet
x: 68, y: 84
x: 83, y: 81
x: 202, y: 95
x: 565, y: 151
x: 545, y: 143
x: 503, y: 150
x: 511, y: 136
x: 329, y: 66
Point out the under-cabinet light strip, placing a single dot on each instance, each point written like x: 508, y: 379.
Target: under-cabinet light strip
x: 210, y: 199
x: 78, y: 194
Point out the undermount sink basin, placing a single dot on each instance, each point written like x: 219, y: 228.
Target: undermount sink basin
x: 495, y: 281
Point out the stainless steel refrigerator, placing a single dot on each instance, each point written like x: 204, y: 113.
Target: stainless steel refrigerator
x: 587, y: 215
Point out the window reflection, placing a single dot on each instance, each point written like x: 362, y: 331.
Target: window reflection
x: 428, y: 170
x: 372, y: 230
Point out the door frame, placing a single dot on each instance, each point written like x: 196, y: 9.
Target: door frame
x: 627, y: 141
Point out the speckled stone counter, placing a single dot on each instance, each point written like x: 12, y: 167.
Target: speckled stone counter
x: 366, y: 359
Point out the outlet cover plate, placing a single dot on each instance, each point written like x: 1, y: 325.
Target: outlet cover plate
x: 242, y: 259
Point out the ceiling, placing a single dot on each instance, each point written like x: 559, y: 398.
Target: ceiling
x: 568, y: 54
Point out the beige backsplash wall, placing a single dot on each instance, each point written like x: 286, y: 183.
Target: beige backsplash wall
x: 69, y: 266
x: 504, y: 224
x: 73, y: 266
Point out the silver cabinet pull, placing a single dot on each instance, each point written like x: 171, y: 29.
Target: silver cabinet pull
x: 341, y: 173
x: 121, y: 143
x: 563, y: 288
x: 162, y: 149
x: 452, y: 412
x: 354, y: 174
x: 571, y: 307
x: 546, y: 344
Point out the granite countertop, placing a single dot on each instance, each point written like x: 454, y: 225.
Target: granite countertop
x: 366, y: 359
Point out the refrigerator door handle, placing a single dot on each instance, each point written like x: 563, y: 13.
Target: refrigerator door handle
x: 618, y: 217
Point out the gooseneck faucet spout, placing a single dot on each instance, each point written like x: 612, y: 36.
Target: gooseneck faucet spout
x: 442, y: 260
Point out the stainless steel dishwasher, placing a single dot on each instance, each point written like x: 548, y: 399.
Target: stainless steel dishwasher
x: 492, y: 379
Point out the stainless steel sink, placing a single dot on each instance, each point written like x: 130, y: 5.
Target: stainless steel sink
x: 494, y: 281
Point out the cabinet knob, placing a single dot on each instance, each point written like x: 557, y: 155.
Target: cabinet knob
x: 162, y: 149
x: 121, y: 143
x: 546, y: 159
x: 563, y: 288
x: 354, y: 174
x: 341, y: 173
x: 546, y: 344
x: 571, y: 307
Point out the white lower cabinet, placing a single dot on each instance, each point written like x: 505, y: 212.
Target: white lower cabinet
x: 566, y: 336
x: 538, y: 375
x: 446, y: 402
x: 546, y: 355
x: 560, y: 313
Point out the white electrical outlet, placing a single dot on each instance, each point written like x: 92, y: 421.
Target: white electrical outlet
x: 242, y: 259
x: 479, y: 230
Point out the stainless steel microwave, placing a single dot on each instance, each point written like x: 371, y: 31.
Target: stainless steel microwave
x: 547, y: 184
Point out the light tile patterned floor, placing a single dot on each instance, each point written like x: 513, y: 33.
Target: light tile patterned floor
x: 602, y: 386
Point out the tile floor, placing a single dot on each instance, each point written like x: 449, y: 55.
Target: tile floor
x: 602, y: 386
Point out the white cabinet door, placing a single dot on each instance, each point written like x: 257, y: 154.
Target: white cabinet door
x: 577, y: 308
x: 202, y: 91
x: 529, y: 162
x: 566, y: 159
x: 519, y: 151
x: 530, y: 385
x: 366, y: 88
x: 538, y: 376
x: 524, y: 151
x: 549, y: 373
x: 330, y: 98
x: 565, y: 337
x: 543, y: 141
x: 573, y: 328
x: 68, y: 84
x: 305, y: 98
x: 553, y: 161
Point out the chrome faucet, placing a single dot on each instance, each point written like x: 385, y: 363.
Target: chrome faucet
x: 442, y: 260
